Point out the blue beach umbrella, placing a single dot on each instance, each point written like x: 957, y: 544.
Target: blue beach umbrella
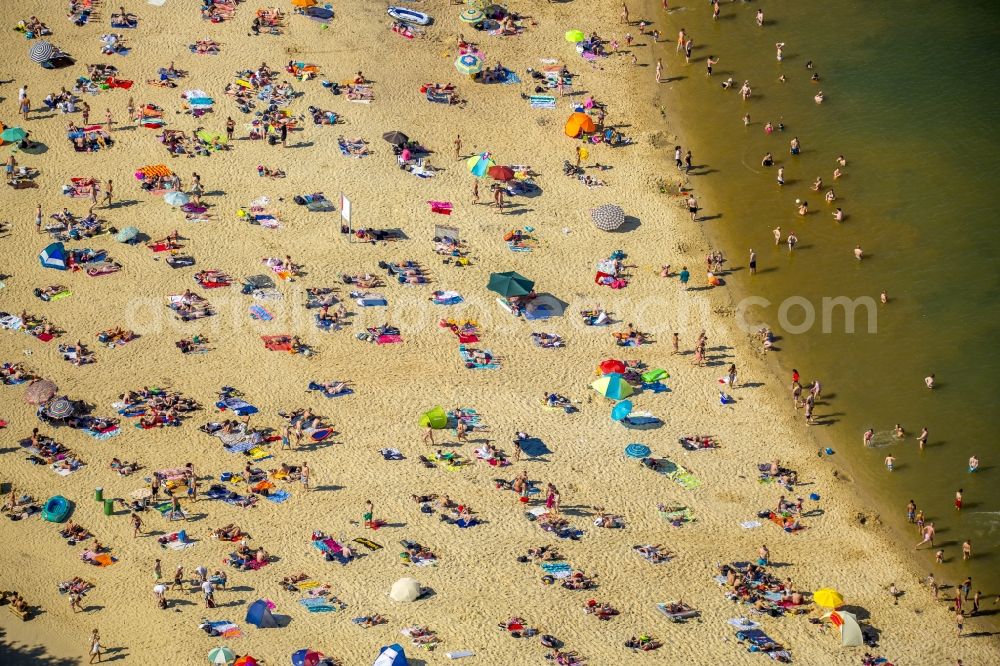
x: 176, y: 198
x: 479, y: 165
x: 621, y: 410
x: 636, y: 450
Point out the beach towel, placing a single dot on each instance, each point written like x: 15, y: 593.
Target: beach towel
x: 278, y: 496
x: 318, y: 605
x: 372, y: 301
x: 677, y: 516
x: 391, y: 454
x: 466, y: 354
x: 388, y: 339
x: 314, y: 386
x: 260, y: 313
x: 277, y: 342
x: 441, y: 207
x: 542, y: 101
x: 458, y: 654
x: 370, y: 545
x: 557, y: 569
x: 223, y: 628
x: 742, y: 622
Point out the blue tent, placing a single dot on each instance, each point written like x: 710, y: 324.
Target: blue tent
x: 259, y: 615
x: 391, y: 655
x: 54, y: 256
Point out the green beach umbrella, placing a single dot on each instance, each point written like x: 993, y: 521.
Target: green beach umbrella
x: 221, y: 655
x: 575, y: 36
x: 510, y: 284
x: 12, y: 134
x: 469, y: 64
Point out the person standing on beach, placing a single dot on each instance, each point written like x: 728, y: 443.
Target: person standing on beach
x: 684, y: 276
x: 136, y: 525
x: 458, y: 146
x: 428, y: 437
x: 368, y: 517
x: 659, y: 70
x: 475, y: 191
x: 157, y: 570
x: 692, y: 204
x: 731, y: 376
x: 625, y: 20
x: 753, y: 262
x: 230, y: 128
x: 967, y: 549
x: 305, y: 476
x: 687, y: 162
x: 95, y: 646
x: 911, y: 511
x: 676, y: 343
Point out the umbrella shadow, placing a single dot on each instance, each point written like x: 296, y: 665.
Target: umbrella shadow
x: 631, y: 224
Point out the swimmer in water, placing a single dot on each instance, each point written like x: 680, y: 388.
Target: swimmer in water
x: 890, y: 460
x: 830, y: 196
x: 779, y: 46
x: 817, y: 185
x: 781, y: 175
x: 819, y: 97
x: 929, y: 380
x: 804, y: 208
x: 793, y: 146
x: 777, y: 235
x: 838, y: 215
x: 973, y: 464
x: 841, y: 161
x: 768, y: 160
x: 869, y: 436
x: 859, y: 253
x: 900, y: 433
x: 837, y: 173
x: 922, y: 439
x: 760, y: 18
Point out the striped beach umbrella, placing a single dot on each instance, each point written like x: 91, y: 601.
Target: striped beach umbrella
x: 472, y: 15
x: 222, y: 656
x: 40, y: 391
x: 60, y: 408
x: 40, y: 52
x: 469, y: 64
x: 636, y: 450
x: 608, y: 217
x: 613, y: 386
x: 479, y: 165
x: 127, y: 234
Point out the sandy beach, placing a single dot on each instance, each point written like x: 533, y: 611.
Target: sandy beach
x: 477, y: 581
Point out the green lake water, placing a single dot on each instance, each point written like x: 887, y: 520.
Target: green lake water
x: 911, y: 102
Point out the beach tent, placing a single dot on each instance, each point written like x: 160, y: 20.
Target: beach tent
x: 405, y: 589
x: 543, y: 307
x: 575, y: 36
x: 579, y: 122
x: 222, y: 656
x: 850, y: 630
x: 391, y: 655
x: 613, y: 386
x: 828, y: 598
x: 435, y: 418
x: 510, y: 284
x: 54, y: 256
x: 259, y: 615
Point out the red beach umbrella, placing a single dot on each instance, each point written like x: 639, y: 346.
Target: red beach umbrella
x: 612, y: 365
x: 498, y: 172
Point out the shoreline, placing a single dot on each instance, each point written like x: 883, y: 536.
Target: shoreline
x: 869, y: 503
x: 477, y: 572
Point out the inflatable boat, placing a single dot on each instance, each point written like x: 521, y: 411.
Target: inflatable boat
x: 56, y: 509
x: 409, y: 16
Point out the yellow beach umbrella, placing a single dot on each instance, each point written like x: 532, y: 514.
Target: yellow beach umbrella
x: 828, y: 597
x: 575, y: 36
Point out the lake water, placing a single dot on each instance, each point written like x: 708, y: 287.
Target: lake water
x: 911, y: 102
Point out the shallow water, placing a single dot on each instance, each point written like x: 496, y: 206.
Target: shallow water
x: 911, y: 103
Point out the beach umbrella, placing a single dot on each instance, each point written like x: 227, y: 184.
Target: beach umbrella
x: 510, y: 284
x: 621, y: 410
x: 303, y: 3
x: 613, y: 386
x: 636, y: 450
x: 472, y: 15
x: 221, y: 655
x: 575, y: 36
x: 39, y: 392
x: 60, y: 408
x: 176, y: 198
x: 246, y: 660
x: 608, y: 217
x: 850, y: 631
x: 579, y: 122
x: 12, y: 134
x: 828, y: 597
x: 40, y: 52
x: 405, y: 590
x: 435, y: 418
x: 497, y: 172
x: 479, y: 165
x: 127, y: 234
x: 54, y: 256
x: 396, y: 138
x: 610, y: 365
x: 469, y: 64
x: 307, y: 657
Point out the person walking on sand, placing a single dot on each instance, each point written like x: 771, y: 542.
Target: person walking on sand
x: 428, y: 437
x: 304, y: 475
x: 659, y: 70
x: 136, y: 525
x: 624, y: 19
x: 458, y: 146
x: 911, y: 511
x: 692, y: 204
x: 95, y: 646
x: 230, y: 128
x: 475, y: 191
x: 368, y: 519
x: 928, y: 536
x: 731, y: 376
x: 109, y: 191
x: 157, y: 570
x: 684, y: 276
